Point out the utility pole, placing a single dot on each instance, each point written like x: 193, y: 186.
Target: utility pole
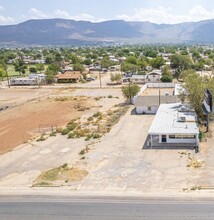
x: 100, y: 79
x: 130, y: 97
x: 8, y: 82
x: 100, y: 75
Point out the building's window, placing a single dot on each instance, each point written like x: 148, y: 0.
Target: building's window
x: 182, y: 136
x: 189, y: 137
x: 163, y: 138
x: 149, y: 108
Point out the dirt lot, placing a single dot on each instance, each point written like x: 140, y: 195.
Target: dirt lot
x: 19, y: 124
x: 21, y: 94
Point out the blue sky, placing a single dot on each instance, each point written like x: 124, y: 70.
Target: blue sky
x: 157, y: 11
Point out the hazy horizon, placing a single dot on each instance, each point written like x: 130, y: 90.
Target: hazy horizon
x: 155, y: 11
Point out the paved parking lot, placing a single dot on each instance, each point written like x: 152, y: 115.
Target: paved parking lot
x: 119, y: 163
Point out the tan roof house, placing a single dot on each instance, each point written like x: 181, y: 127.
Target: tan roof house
x: 69, y: 77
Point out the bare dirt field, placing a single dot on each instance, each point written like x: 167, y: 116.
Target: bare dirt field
x: 20, y: 95
x: 19, y: 124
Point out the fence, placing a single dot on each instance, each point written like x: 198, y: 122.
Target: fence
x: 23, y: 101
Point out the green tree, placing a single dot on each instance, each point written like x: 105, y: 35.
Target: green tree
x: 180, y: 63
x: 130, y: 91
x: 166, y: 78
x: 3, y: 72
x: 157, y: 62
x: 78, y: 67
x: 20, y: 66
x: 194, y: 86
x: 116, y: 77
x: 50, y: 75
x: 106, y: 62
x: 40, y: 67
x: 33, y: 69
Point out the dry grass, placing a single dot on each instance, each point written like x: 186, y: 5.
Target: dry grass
x: 194, y: 163
x: 59, y: 175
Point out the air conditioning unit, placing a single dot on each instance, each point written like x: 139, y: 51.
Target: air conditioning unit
x: 181, y: 119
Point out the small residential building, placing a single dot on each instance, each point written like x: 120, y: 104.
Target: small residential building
x: 69, y: 77
x: 154, y: 76
x: 174, y: 125
x: 141, y: 79
x: 152, y: 95
x: 150, y: 104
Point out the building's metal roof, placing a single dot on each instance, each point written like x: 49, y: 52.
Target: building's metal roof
x: 174, y: 119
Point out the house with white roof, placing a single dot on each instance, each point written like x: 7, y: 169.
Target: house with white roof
x: 174, y: 125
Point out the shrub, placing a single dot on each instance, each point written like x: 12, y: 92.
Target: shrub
x: 42, y: 138
x: 96, y: 136
x: 72, y: 126
x: 65, y: 165
x: 97, y: 114
x: 82, y: 152
x: 65, y: 131
x: 71, y: 135
x: 90, y: 119
x: 110, y: 96
x: 53, y: 134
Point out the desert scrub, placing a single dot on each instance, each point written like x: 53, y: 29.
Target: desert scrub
x: 90, y: 119
x: 96, y: 136
x: 82, y: 152
x: 88, y: 137
x: 65, y: 131
x: 61, y: 99
x: 71, y: 135
x: 71, y: 126
x: 97, y: 114
x: 110, y: 96
x: 62, y: 173
x: 53, y: 134
x: 41, y: 138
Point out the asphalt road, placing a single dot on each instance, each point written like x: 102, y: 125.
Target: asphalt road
x: 103, y: 209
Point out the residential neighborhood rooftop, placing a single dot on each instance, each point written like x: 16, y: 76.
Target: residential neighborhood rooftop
x: 157, y: 91
x: 174, y: 119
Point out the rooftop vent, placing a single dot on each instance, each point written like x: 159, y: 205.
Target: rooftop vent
x: 181, y: 119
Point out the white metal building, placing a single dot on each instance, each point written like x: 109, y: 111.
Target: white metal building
x: 141, y: 79
x: 23, y: 81
x: 173, y: 125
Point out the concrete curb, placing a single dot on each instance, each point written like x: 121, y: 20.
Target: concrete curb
x: 200, y: 194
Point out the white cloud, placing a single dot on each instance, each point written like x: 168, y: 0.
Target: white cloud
x: 1, y: 8
x: 37, y: 14
x: 78, y: 17
x: 165, y: 15
x: 6, y: 20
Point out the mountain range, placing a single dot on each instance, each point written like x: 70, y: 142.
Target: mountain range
x: 76, y: 33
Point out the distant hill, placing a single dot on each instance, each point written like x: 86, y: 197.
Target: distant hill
x: 70, y: 32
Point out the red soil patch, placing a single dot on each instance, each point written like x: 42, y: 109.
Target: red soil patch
x: 20, y: 124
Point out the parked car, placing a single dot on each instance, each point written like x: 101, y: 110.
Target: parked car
x: 90, y: 78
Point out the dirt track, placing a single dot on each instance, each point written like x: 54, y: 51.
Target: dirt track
x: 20, y: 124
